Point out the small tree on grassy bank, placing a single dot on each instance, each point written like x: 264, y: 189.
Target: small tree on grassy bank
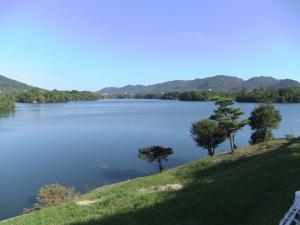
x: 155, y: 153
x: 228, y: 118
x: 207, y: 134
x: 262, y: 120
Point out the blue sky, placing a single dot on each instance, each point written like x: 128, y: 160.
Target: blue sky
x: 91, y: 44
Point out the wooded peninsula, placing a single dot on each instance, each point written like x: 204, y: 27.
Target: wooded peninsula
x: 36, y: 95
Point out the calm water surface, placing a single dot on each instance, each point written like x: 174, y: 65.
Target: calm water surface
x: 89, y: 144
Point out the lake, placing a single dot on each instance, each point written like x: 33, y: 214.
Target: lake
x: 90, y: 144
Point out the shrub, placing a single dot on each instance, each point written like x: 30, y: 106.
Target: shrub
x: 262, y: 120
x: 53, y: 195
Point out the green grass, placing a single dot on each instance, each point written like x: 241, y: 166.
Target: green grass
x: 254, y: 187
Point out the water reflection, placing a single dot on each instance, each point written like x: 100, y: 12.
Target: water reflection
x: 7, y: 114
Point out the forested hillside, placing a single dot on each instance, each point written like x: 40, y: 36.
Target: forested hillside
x: 7, y: 84
x: 215, y: 83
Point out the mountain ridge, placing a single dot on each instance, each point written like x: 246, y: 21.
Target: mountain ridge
x: 215, y: 83
x: 7, y: 84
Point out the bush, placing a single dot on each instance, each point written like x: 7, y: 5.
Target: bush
x: 260, y: 136
x: 262, y: 120
x: 53, y: 195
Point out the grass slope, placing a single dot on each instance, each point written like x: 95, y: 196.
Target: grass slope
x: 254, y: 187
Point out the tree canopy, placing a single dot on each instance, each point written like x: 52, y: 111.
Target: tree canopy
x: 208, y: 134
x: 228, y: 118
x: 262, y: 120
x: 155, y: 153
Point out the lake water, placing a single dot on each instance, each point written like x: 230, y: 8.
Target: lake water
x: 89, y: 144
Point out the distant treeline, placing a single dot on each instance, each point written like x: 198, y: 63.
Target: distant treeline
x: 182, y: 96
x: 277, y: 95
x: 186, y: 96
x: 261, y: 95
x: 36, y: 95
x: 55, y: 96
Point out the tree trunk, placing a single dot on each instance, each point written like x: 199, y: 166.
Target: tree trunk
x: 211, y: 152
x: 160, y: 166
x: 231, y: 139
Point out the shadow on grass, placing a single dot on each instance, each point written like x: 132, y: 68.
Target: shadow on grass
x: 256, y: 190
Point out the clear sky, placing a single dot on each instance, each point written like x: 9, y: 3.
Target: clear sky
x: 91, y: 44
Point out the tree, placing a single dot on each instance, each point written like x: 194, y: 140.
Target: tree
x: 155, y: 153
x: 228, y: 118
x: 208, y: 134
x: 262, y: 120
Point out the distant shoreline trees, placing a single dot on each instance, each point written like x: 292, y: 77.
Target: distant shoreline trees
x: 36, y: 95
x: 7, y: 103
x: 271, y: 95
x: 259, y: 95
x: 44, y: 96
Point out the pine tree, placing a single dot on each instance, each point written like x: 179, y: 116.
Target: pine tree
x: 155, y: 153
x: 228, y: 118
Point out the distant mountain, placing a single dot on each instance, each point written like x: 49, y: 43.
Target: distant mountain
x: 287, y: 83
x: 215, y: 83
x: 264, y: 82
x: 268, y: 82
x: 7, y: 84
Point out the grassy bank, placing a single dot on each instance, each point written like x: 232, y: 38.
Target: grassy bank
x: 254, y: 187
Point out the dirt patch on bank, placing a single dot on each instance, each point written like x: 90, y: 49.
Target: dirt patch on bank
x: 163, y: 188
x: 87, y: 202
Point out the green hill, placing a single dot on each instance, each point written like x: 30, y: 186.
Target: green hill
x: 215, y: 83
x: 7, y: 84
x: 254, y: 187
